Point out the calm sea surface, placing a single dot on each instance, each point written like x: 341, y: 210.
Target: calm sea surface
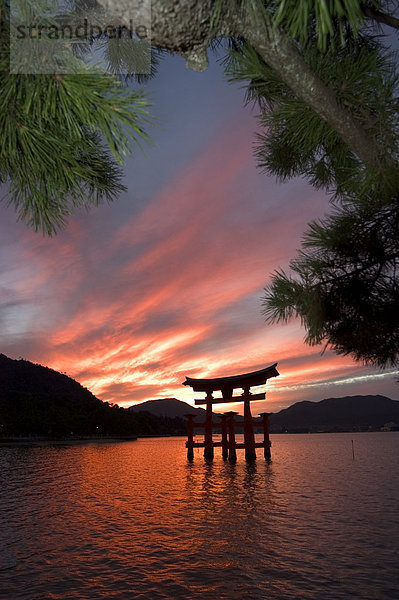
x: 134, y: 520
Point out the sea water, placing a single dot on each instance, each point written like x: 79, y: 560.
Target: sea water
x: 136, y: 520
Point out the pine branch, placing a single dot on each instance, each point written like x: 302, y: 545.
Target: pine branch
x: 298, y: 142
x: 282, y: 55
x: 380, y: 17
x: 345, y: 288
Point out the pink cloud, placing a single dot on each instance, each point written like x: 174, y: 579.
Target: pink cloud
x: 176, y: 288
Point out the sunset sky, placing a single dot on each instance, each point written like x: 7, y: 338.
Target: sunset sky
x: 168, y: 280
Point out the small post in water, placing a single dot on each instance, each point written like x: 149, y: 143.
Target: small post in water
x: 353, y: 451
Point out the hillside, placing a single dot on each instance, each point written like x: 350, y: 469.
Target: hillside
x: 36, y: 400
x: 23, y: 377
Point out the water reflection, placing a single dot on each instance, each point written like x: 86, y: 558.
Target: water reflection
x: 229, y: 504
x: 136, y: 520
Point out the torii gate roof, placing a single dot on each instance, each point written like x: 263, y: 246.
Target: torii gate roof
x: 225, y: 384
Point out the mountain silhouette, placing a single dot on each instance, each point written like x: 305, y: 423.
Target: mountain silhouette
x: 24, y: 377
x: 172, y: 408
x: 168, y: 407
x: 38, y: 401
x: 337, y: 414
x: 331, y: 414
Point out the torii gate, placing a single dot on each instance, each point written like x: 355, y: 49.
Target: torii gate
x: 226, y: 385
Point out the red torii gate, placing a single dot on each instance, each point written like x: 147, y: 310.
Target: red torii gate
x: 226, y: 385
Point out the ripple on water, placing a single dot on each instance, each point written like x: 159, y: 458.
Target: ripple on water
x: 135, y: 520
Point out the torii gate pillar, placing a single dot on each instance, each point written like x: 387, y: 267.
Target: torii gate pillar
x: 249, y: 436
x: 225, y: 441
x: 266, y: 439
x: 232, y: 436
x: 208, y: 449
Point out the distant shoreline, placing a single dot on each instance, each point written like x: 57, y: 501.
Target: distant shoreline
x: 35, y: 441
x: 67, y: 441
